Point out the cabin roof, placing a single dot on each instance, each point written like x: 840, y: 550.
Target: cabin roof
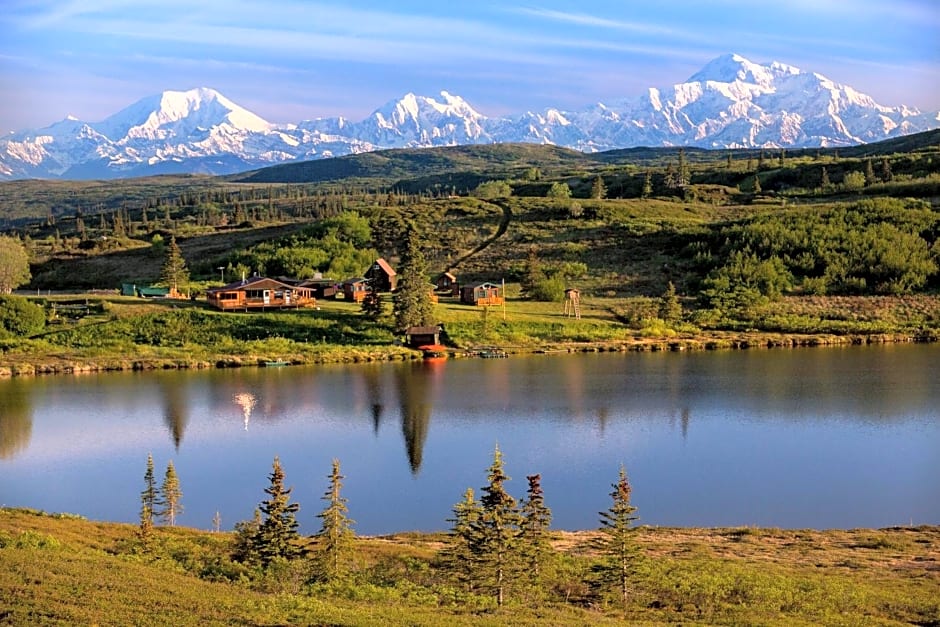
x: 423, y: 330
x: 389, y: 270
x: 482, y: 284
x: 252, y: 283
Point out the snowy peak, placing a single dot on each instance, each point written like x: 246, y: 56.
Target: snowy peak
x: 730, y: 103
x: 179, y: 113
x: 732, y: 68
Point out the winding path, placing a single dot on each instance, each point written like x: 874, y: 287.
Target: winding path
x: 500, y: 231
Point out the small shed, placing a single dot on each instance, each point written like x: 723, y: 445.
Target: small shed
x: 447, y: 282
x: 355, y: 289
x: 382, y: 276
x: 422, y: 336
x: 482, y: 294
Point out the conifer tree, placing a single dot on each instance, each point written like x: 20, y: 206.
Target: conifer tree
x: 457, y: 556
x: 277, y: 534
x: 496, y: 533
x: 618, y: 544
x: 869, y: 173
x: 148, y: 501
x: 536, y: 519
x: 174, y: 272
x: 730, y: 161
x: 412, y: 304
x: 647, y: 185
x: 824, y: 179
x: 170, y: 495
x: 684, y: 175
x: 598, y: 190
x: 757, y: 188
x: 885, y: 170
x: 335, y: 538
x: 670, y: 310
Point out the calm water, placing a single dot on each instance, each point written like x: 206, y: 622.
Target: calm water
x: 842, y: 437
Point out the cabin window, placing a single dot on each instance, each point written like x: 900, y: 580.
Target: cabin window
x: 254, y: 294
x: 228, y: 296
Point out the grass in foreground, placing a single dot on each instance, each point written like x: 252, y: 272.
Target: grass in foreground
x: 66, y: 570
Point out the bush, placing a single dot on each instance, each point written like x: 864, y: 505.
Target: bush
x: 551, y: 289
x: 20, y: 317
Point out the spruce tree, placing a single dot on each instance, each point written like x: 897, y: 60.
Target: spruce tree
x: 536, y: 519
x: 148, y: 500
x: 670, y: 310
x: 885, y: 170
x: 598, y: 190
x: 457, y: 556
x: 684, y: 175
x: 824, y: 179
x: 869, y: 173
x: 335, y: 538
x: 277, y: 534
x: 617, y: 544
x: 496, y: 533
x: 412, y: 304
x: 170, y: 495
x: 174, y: 272
x: 647, y: 185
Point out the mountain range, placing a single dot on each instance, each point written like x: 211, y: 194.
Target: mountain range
x: 730, y: 103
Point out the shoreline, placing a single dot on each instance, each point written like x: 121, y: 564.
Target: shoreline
x: 716, y: 341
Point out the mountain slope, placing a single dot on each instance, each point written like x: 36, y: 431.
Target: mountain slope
x: 730, y: 103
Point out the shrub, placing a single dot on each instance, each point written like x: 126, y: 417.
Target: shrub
x: 20, y: 317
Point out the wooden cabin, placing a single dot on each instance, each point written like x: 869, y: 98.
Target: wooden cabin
x: 322, y: 288
x: 259, y: 293
x: 447, y: 283
x: 482, y: 294
x: 382, y: 276
x: 355, y: 289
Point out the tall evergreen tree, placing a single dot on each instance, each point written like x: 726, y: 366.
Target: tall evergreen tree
x: 170, y: 495
x: 148, y: 501
x: 458, y: 556
x: 684, y: 174
x: 496, y: 533
x: 277, y: 534
x: 412, y: 304
x: 885, y: 170
x: 598, y: 189
x: 824, y: 182
x: 335, y: 538
x: 647, y: 185
x: 618, y: 544
x: 869, y: 173
x: 536, y: 519
x: 174, y: 272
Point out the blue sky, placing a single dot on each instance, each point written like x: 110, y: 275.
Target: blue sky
x: 302, y: 59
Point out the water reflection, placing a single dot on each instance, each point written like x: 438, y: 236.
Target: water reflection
x: 16, y: 419
x: 415, y: 391
x: 175, y: 410
x: 247, y: 401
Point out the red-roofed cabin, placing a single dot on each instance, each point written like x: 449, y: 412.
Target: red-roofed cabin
x: 382, y: 276
x: 481, y: 294
x: 259, y: 293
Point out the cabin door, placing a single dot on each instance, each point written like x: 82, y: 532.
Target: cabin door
x: 267, y: 297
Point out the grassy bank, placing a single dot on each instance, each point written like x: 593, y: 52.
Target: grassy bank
x: 59, y: 569
x: 125, y: 333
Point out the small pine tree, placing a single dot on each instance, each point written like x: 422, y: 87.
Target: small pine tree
x: 730, y: 163
x: 457, y: 556
x: 598, y: 189
x: 277, y: 534
x: 885, y: 170
x: 781, y: 159
x: 684, y: 175
x: 533, y: 531
x: 335, y: 538
x: 757, y: 187
x: 647, y: 185
x: 245, y: 546
x: 170, y: 495
x: 495, y: 543
x: 824, y: 182
x: 617, y: 543
x: 869, y: 173
x: 670, y: 309
x: 148, y: 501
x: 372, y: 305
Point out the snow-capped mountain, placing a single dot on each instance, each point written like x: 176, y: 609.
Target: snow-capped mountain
x: 730, y: 103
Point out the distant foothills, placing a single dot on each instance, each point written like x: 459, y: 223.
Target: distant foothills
x: 730, y: 103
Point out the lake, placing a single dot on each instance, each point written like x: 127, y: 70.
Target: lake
x: 823, y: 438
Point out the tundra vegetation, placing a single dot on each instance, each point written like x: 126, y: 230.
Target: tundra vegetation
x: 500, y: 563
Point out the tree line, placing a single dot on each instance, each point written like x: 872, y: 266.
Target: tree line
x: 497, y: 547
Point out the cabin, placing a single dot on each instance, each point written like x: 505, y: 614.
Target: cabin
x: 321, y: 288
x: 356, y: 289
x: 416, y: 337
x: 382, y: 276
x: 447, y: 283
x: 259, y: 293
x: 482, y: 294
